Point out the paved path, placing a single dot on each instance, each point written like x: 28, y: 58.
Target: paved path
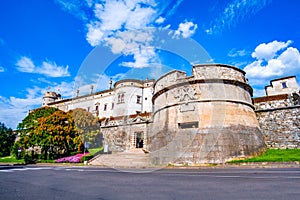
x: 104, y: 183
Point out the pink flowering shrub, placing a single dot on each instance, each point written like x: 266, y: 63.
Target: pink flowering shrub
x: 72, y: 159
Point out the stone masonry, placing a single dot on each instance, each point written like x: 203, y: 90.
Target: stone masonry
x: 279, y: 121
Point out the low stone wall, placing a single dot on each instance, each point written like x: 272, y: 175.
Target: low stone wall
x: 279, y: 121
x: 280, y: 126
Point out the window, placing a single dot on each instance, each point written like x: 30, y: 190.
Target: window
x: 138, y: 99
x: 284, y: 85
x: 188, y: 125
x: 105, y: 107
x: 121, y: 98
x: 112, y: 106
x: 97, y: 108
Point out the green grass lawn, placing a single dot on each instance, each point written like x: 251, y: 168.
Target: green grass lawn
x: 10, y: 159
x: 271, y: 155
x: 274, y: 155
x: 95, y: 150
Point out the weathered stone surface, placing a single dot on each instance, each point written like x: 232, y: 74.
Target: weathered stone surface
x: 214, y: 145
x: 280, y: 127
x: 221, y: 126
x: 279, y: 119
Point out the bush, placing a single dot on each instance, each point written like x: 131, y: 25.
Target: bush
x: 86, y: 158
x: 71, y: 159
x: 29, y: 159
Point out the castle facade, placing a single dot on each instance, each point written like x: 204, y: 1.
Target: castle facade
x: 208, y: 117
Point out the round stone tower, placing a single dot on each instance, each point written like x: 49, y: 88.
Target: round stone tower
x: 50, y: 97
x: 207, y: 117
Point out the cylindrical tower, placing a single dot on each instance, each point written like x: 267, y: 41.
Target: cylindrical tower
x: 207, y: 117
x: 50, y: 97
x: 128, y: 97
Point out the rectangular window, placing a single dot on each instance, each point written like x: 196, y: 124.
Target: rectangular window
x: 284, y: 85
x: 105, y: 107
x: 112, y: 106
x: 97, y: 108
x: 121, y: 98
x: 138, y: 99
x: 188, y: 125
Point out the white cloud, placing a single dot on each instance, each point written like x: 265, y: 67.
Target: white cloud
x: 66, y: 89
x: 122, y: 25
x: 75, y: 7
x: 144, y: 57
x: 160, y: 20
x: 47, y: 68
x: 25, y: 65
x: 175, y: 5
x: 268, y: 51
x: 237, y: 53
x: 274, y: 59
x: 234, y: 12
x: 14, y: 109
x: 112, y: 16
x: 186, y: 29
x: 52, y: 70
x: 107, y: 22
x: 2, y: 69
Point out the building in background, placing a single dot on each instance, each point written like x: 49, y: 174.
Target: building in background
x: 284, y: 85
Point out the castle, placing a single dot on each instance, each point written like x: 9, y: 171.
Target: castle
x: 208, y: 117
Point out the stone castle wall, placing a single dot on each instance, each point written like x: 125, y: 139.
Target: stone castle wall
x: 119, y: 133
x: 205, y: 118
x: 279, y: 120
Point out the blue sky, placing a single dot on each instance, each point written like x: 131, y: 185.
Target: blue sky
x: 64, y: 45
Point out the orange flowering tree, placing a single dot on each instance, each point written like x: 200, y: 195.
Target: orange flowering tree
x: 87, y: 126
x: 56, y: 134
x: 26, y: 127
x: 49, y: 132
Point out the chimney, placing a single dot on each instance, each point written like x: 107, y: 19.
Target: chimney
x: 110, y: 84
x: 91, y: 89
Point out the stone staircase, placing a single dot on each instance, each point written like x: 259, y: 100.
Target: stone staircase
x: 133, y: 158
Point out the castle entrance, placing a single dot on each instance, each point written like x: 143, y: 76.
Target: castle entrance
x: 139, y: 139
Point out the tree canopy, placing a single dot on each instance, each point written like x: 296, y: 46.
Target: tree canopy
x: 87, y: 127
x: 7, y: 139
x: 50, y: 132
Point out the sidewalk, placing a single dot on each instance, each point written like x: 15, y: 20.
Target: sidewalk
x: 295, y: 164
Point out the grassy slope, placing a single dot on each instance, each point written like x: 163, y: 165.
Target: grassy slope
x: 274, y: 155
x: 9, y: 159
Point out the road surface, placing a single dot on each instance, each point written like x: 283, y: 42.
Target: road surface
x: 23, y: 182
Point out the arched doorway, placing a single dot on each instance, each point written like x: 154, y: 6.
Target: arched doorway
x: 139, y: 140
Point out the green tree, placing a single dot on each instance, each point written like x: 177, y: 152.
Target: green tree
x: 7, y: 140
x: 27, y: 126
x: 56, y: 135
x: 87, y: 126
x: 50, y: 132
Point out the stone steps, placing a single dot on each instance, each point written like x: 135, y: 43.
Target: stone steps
x: 134, y: 158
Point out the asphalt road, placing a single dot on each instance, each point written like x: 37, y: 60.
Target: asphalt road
x: 103, y: 183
